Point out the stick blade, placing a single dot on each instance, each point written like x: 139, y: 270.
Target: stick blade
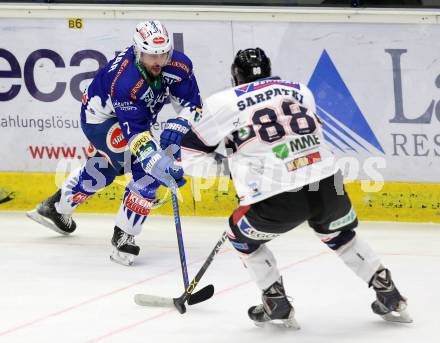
x: 153, y: 300
x: 202, y: 295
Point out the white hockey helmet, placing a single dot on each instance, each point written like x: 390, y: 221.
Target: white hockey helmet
x: 151, y: 37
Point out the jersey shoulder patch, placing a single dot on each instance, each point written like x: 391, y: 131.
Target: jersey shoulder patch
x: 179, y: 65
x: 128, y: 83
x: 264, y: 83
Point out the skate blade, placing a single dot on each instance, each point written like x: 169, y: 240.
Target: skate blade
x: 35, y: 216
x: 282, y: 324
x: 122, y: 257
x: 397, y: 317
x: 289, y: 323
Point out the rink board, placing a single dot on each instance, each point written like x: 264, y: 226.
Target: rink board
x: 384, y: 126
x: 396, y: 201
x: 376, y: 92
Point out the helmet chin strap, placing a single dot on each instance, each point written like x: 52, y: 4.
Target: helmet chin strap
x: 137, y: 54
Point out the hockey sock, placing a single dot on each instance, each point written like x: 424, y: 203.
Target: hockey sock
x: 360, y: 258
x: 262, y: 266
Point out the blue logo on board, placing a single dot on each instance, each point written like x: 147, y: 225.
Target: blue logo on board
x: 345, y: 127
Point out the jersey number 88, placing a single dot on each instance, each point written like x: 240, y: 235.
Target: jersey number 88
x: 271, y: 126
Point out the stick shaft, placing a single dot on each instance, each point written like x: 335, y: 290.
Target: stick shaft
x: 190, y: 289
x: 182, y: 255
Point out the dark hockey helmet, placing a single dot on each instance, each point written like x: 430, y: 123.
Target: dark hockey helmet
x: 250, y: 65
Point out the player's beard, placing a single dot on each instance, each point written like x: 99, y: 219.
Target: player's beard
x: 155, y: 70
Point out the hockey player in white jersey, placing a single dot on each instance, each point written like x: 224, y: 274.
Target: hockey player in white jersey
x: 284, y: 174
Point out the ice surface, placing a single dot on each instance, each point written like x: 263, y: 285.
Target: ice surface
x: 65, y: 289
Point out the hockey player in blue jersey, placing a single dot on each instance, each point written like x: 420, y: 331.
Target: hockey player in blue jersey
x: 118, y: 110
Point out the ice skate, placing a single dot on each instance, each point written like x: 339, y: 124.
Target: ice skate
x: 275, y: 310
x: 389, y: 303
x: 46, y: 214
x: 125, y: 248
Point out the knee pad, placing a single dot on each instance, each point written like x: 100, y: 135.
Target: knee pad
x: 244, y: 231
x: 141, y: 194
x: 147, y: 187
x: 337, y: 239
x: 343, y: 222
x: 243, y: 235
x: 239, y: 242
x: 338, y: 232
x: 133, y: 211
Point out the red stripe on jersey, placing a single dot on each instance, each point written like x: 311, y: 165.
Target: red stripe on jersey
x: 179, y: 65
x: 136, y: 88
x: 239, y: 213
x: 121, y: 69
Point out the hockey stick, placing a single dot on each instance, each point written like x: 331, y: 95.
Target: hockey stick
x: 176, y: 214
x: 160, y: 202
x: 206, y: 292
x: 179, y: 303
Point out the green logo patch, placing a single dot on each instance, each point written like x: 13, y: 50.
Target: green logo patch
x: 281, y: 151
x: 244, y: 133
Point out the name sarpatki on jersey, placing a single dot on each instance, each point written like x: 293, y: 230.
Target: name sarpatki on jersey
x: 267, y: 95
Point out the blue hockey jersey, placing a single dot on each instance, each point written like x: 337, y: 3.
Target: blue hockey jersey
x: 120, y: 90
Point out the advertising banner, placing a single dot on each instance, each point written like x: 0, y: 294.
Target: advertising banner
x: 376, y: 85
x: 45, y: 65
x: 376, y: 88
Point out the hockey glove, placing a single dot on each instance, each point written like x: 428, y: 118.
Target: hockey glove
x: 156, y: 163
x: 162, y: 168
x: 173, y: 133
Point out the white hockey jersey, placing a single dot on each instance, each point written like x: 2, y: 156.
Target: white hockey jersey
x: 273, y: 138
